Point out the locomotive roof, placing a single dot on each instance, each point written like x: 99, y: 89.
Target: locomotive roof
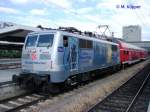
x: 73, y: 34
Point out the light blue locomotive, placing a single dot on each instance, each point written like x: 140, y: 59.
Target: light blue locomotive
x: 56, y: 57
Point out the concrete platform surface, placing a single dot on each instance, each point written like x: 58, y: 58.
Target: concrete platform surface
x: 9, y: 61
x: 6, y: 75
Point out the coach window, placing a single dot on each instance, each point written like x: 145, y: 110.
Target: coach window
x: 65, y: 41
x: 124, y: 52
x: 114, y: 48
x: 127, y: 52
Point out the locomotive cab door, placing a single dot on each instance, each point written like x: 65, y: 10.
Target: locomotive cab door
x: 73, y: 48
x: 72, y: 58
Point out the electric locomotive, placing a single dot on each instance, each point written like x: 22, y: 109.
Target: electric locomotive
x: 55, y: 57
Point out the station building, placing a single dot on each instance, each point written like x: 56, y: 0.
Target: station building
x: 132, y: 33
x: 12, y: 35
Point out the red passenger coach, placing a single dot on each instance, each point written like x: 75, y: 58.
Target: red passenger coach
x: 130, y: 54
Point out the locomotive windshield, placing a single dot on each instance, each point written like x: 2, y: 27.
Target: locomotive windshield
x: 31, y: 41
x: 45, y: 40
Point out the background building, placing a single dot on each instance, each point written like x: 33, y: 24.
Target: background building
x: 12, y: 35
x: 132, y: 33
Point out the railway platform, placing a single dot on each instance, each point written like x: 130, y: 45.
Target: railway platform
x: 6, y: 75
x: 8, y: 67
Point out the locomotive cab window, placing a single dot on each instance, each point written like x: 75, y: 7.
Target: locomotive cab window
x: 65, y: 41
x: 45, y: 40
x: 31, y: 41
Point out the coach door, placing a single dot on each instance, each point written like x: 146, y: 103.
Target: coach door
x: 73, y: 53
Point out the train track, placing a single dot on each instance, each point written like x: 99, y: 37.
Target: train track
x: 10, y: 63
x: 142, y: 102
x: 10, y: 60
x: 10, y: 66
x: 5, y: 83
x: 132, y: 96
x: 20, y: 102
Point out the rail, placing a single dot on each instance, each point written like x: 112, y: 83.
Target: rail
x: 10, y: 66
x: 20, y: 102
x: 138, y: 93
x: 125, y: 97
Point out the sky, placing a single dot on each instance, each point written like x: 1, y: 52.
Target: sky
x: 85, y: 15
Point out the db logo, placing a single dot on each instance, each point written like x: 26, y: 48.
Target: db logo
x: 33, y: 56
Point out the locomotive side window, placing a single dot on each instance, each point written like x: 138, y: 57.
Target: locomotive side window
x: 45, y: 40
x: 85, y: 43
x: 65, y: 41
x: 82, y: 43
x: 89, y: 44
x: 31, y: 41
